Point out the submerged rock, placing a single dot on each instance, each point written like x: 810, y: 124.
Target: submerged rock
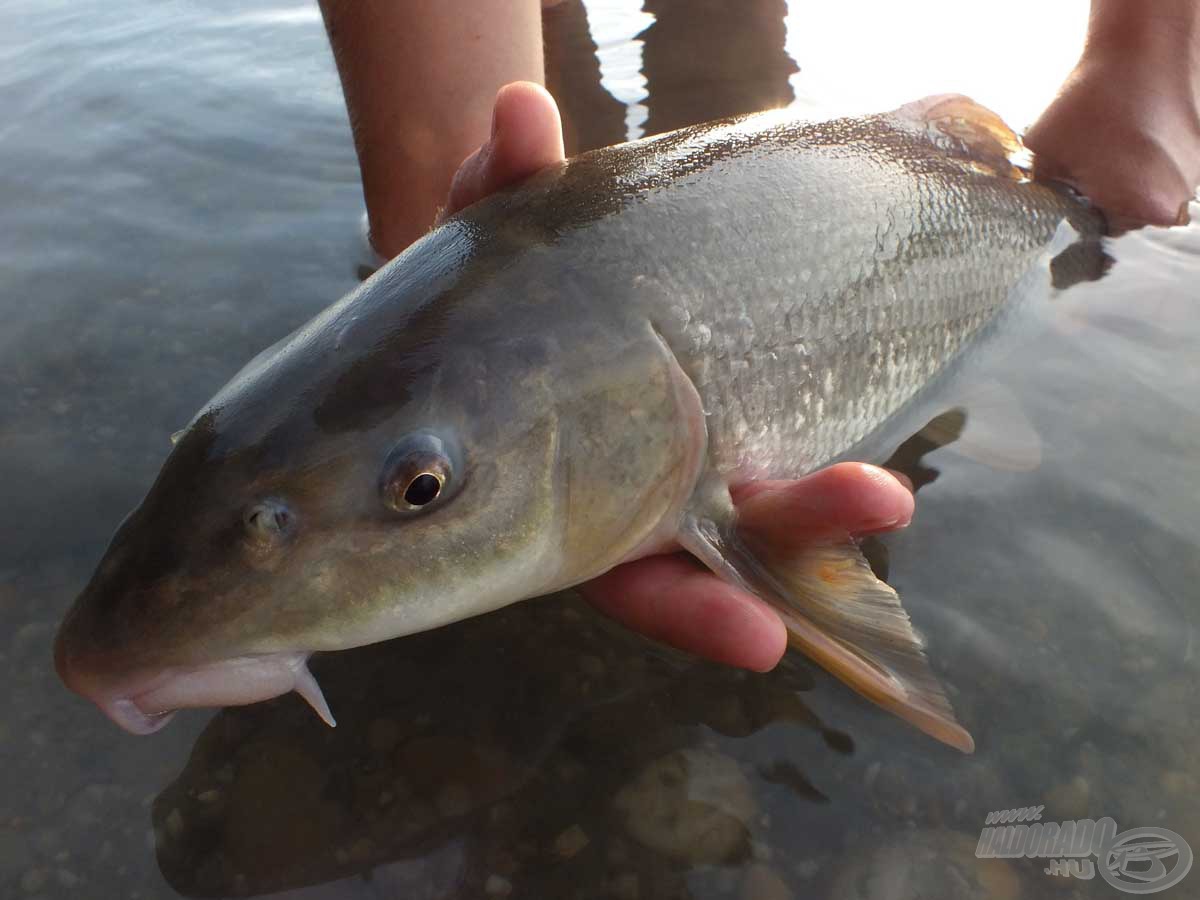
x: 922, y: 864
x: 693, y: 805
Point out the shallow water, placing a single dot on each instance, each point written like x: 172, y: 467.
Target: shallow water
x: 181, y: 190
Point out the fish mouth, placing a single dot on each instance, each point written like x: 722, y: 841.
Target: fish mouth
x: 130, y: 716
x: 144, y: 702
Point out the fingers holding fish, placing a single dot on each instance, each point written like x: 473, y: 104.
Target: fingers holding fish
x: 843, y: 499
x: 673, y: 599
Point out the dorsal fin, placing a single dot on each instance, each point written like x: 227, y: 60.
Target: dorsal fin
x: 958, y: 123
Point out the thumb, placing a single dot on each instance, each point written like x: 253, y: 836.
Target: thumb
x: 526, y: 137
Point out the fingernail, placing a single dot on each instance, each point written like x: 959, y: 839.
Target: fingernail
x: 891, y: 524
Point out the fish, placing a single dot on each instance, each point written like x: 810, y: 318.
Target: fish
x: 572, y: 374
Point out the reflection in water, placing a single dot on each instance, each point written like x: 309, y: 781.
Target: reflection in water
x: 183, y: 191
x: 592, y: 117
x: 537, y: 734
x: 707, y: 59
x: 692, y: 61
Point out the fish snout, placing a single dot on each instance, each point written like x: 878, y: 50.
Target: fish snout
x: 85, y: 681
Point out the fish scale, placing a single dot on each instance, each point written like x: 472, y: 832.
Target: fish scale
x: 807, y: 356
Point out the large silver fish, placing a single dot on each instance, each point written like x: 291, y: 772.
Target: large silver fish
x: 569, y: 375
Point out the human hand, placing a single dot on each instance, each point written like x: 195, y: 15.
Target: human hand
x: 671, y: 597
x: 1125, y: 128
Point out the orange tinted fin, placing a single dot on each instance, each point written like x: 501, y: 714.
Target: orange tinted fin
x: 842, y: 617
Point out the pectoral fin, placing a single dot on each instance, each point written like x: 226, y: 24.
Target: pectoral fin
x: 838, y: 614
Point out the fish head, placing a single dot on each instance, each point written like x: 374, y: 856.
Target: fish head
x: 363, y: 482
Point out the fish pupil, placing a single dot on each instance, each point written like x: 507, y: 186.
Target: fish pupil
x: 422, y: 490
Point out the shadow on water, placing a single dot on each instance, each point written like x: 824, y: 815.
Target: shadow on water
x: 541, y: 751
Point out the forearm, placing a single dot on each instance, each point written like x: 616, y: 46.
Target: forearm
x: 419, y: 78
x: 1167, y: 31
x: 1152, y: 46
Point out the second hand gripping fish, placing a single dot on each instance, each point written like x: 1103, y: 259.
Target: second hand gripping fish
x: 569, y: 375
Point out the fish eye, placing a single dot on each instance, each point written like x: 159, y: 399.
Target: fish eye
x: 418, y: 471
x: 268, y: 521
